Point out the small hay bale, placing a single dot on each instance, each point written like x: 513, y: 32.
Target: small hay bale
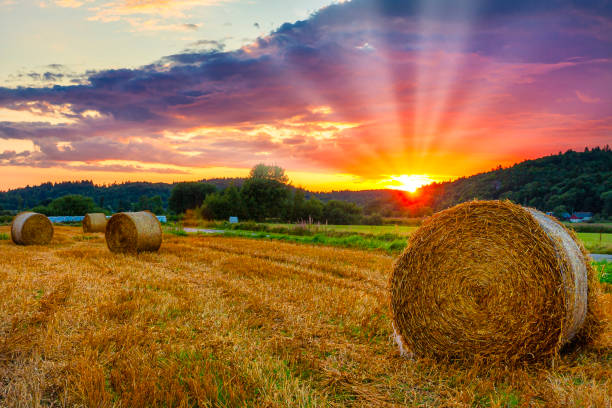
x: 132, y: 232
x: 94, y: 222
x: 30, y: 228
x: 492, y: 281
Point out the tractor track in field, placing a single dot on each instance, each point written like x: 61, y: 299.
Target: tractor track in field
x: 340, y: 279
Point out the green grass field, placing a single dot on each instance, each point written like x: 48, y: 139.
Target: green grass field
x: 401, y: 230
x: 389, y: 238
x: 597, y: 243
x: 389, y: 243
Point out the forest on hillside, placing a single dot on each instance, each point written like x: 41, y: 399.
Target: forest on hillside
x: 565, y: 182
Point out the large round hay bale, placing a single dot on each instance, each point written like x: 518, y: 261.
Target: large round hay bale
x: 94, y: 222
x: 489, y: 280
x: 132, y: 232
x: 30, y: 228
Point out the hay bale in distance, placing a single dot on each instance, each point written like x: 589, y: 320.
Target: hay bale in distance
x: 489, y: 280
x: 30, y: 228
x: 132, y: 232
x: 94, y: 222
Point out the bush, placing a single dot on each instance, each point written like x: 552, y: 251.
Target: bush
x: 583, y: 227
x: 249, y: 226
x: 6, y: 219
x: 69, y: 205
x: 188, y: 196
x: 341, y: 212
x: 409, y: 222
x: 374, y: 219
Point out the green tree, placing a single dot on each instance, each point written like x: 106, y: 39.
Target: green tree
x: 156, y: 205
x: 187, y: 196
x: 559, y: 210
x: 341, y: 212
x: 235, y: 203
x: 267, y: 172
x: 313, y: 209
x: 123, y: 205
x: 606, y: 198
x: 153, y: 204
x: 68, y: 205
x: 265, y: 198
x: 372, y: 219
x: 214, y: 207
x: 142, y: 204
x: 298, y: 206
x: 222, y: 205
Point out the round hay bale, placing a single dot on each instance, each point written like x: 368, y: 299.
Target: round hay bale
x: 132, y: 232
x: 94, y: 222
x: 489, y: 280
x: 30, y: 228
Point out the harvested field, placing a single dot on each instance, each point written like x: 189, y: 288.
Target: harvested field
x: 215, y: 321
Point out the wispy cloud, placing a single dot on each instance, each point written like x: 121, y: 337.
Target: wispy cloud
x: 115, y: 10
x: 50, y: 74
x: 141, y: 15
x: 587, y: 99
x: 210, y: 44
x: 71, y: 3
x: 156, y: 24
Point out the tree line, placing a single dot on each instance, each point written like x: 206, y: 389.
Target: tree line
x: 76, y: 204
x: 565, y: 182
x: 264, y: 196
x: 109, y: 198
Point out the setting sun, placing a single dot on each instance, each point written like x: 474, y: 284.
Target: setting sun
x: 409, y: 183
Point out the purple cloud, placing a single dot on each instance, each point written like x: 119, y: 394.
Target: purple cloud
x: 400, y: 81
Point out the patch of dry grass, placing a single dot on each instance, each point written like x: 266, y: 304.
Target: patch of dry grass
x: 212, y: 321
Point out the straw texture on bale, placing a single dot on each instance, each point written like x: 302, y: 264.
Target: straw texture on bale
x: 94, y: 222
x: 29, y: 228
x: 132, y: 232
x: 489, y: 280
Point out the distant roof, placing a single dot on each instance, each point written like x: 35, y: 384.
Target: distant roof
x: 582, y: 214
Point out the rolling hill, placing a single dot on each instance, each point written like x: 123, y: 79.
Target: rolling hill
x: 570, y: 181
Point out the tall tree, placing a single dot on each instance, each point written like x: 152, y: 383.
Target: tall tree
x: 187, y: 196
x: 265, y: 198
x: 268, y: 172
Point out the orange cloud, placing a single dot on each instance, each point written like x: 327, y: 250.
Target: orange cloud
x: 69, y: 3
x: 115, y: 10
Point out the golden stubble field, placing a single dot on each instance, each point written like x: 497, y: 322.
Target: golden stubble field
x: 212, y: 321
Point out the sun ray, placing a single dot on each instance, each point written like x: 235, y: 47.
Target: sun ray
x: 410, y: 183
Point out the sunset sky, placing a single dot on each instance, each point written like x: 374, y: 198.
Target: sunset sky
x: 345, y: 95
